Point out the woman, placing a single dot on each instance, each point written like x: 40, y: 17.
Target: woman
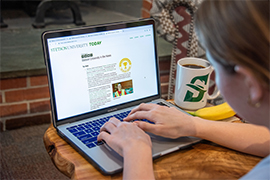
x: 235, y: 35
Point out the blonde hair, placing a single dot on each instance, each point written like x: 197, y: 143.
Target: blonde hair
x: 236, y: 33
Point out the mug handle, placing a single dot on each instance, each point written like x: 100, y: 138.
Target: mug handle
x: 216, y: 92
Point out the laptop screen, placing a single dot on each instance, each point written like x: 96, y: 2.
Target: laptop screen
x: 102, y: 69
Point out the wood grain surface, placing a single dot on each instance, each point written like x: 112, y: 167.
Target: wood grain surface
x: 205, y: 160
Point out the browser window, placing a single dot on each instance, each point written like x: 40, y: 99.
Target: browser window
x: 109, y: 67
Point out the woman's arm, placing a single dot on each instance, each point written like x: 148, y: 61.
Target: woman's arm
x: 248, y: 138
x: 172, y: 123
x: 138, y: 163
x: 133, y: 144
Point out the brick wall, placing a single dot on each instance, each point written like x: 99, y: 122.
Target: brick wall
x: 147, y: 5
x: 164, y: 67
x: 23, y: 102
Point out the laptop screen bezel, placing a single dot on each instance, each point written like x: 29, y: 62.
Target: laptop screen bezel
x: 92, y: 29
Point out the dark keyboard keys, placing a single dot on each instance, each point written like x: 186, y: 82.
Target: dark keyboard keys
x: 73, y: 130
x: 99, y: 143
x: 87, y: 132
x: 91, y: 145
x: 80, y: 128
x: 84, y: 137
x: 162, y: 104
x: 90, y: 140
x: 96, y: 128
x: 94, y: 133
x: 77, y: 134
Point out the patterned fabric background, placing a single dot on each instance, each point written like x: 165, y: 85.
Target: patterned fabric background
x: 175, y: 23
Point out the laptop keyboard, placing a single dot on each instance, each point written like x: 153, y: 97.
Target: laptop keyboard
x: 87, y: 132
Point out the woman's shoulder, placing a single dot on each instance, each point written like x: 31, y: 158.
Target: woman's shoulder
x: 260, y: 171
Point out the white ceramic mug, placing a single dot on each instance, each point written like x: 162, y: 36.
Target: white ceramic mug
x: 192, y: 83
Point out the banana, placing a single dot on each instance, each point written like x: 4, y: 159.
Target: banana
x: 219, y: 112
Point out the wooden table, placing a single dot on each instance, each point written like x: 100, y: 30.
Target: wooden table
x: 205, y: 160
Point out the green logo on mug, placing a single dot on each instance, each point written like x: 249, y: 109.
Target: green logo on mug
x: 189, y: 95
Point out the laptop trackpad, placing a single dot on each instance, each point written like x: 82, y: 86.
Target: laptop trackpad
x: 111, y: 162
x: 107, y: 159
x: 162, y: 146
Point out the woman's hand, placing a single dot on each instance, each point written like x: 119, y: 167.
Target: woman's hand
x: 124, y: 136
x: 169, y: 122
x: 131, y: 142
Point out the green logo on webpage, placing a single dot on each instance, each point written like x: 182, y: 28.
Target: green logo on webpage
x: 95, y: 43
x: 87, y: 55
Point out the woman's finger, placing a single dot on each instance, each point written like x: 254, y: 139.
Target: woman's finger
x: 108, y: 127
x: 147, y: 126
x: 103, y: 136
x: 139, y: 115
x: 114, y: 121
x: 143, y: 107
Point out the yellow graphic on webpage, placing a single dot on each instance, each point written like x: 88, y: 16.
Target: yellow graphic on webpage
x: 125, y: 65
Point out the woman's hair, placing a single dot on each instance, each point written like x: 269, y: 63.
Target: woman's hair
x: 236, y: 33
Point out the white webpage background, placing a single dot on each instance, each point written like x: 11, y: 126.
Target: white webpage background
x: 70, y: 78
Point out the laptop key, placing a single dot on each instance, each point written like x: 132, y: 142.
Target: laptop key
x: 81, y: 128
x: 94, y: 124
x: 162, y: 104
x: 90, y: 140
x: 83, y: 137
x: 79, y: 133
x: 102, y: 122
x: 96, y: 128
x: 117, y: 116
x: 94, y: 133
x: 74, y: 130
x: 89, y: 130
x: 90, y: 145
x: 99, y: 143
x: 89, y: 125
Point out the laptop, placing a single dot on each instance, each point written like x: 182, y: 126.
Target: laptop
x: 99, y: 72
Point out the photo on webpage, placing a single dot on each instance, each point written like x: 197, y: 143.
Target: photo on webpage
x: 122, y: 88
